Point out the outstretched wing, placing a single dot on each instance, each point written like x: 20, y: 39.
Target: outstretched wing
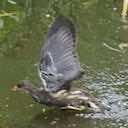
x: 58, y: 61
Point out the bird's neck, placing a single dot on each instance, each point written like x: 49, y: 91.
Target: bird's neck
x: 34, y: 92
x: 30, y: 89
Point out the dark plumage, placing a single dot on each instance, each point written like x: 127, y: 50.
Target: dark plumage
x: 58, y: 66
x: 73, y: 99
x: 58, y: 62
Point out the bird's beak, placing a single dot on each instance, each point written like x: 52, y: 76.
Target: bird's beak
x: 14, y: 88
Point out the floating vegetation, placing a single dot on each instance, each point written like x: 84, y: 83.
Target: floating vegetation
x: 3, y: 13
x: 8, y: 18
x: 122, y: 46
x: 12, y: 14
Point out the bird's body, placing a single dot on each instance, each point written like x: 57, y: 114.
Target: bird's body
x: 58, y: 67
x: 75, y: 99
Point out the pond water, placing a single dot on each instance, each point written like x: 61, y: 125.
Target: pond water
x: 102, y: 48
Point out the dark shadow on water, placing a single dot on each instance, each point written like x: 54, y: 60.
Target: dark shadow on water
x: 72, y: 119
x: 62, y: 119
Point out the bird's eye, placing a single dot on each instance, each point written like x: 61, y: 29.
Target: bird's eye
x: 45, y: 73
x: 50, y: 74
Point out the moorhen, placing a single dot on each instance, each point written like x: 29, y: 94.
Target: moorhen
x: 58, y: 67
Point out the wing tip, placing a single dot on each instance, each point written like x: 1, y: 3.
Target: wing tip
x: 61, y: 21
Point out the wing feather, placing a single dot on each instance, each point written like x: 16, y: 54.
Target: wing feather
x: 60, y: 43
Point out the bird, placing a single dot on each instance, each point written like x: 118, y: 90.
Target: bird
x: 58, y: 66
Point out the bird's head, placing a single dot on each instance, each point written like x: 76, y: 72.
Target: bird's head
x: 24, y: 85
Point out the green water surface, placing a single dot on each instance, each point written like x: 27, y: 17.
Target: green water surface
x: 102, y: 40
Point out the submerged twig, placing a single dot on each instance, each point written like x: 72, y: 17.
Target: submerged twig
x: 111, y: 48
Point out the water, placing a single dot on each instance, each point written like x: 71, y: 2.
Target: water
x: 103, y: 50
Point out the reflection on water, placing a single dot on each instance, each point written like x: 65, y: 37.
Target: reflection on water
x: 102, y: 46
